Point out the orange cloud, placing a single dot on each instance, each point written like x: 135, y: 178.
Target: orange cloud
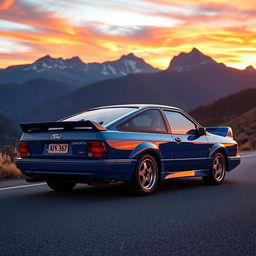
x: 29, y: 15
x: 221, y: 29
x: 5, y: 4
x: 235, y: 3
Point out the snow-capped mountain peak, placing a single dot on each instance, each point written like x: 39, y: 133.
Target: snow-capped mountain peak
x: 131, y: 64
x: 76, y: 71
x: 189, y: 61
x: 44, y: 59
x: 75, y: 61
x: 130, y: 56
x: 47, y: 63
x: 250, y: 68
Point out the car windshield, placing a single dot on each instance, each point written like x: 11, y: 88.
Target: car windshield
x: 102, y: 116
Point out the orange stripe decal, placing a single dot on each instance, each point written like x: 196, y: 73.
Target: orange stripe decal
x: 180, y: 174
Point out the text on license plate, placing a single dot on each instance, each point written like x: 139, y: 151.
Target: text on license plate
x: 58, y: 148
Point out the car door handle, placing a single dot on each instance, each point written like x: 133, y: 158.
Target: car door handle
x: 178, y: 139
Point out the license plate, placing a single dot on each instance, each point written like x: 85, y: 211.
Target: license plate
x: 58, y: 148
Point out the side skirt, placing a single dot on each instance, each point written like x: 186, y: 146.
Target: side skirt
x: 185, y: 174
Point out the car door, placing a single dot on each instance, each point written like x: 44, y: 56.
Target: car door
x: 190, y: 149
x: 149, y: 126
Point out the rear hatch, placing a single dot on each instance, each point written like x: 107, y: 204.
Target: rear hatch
x: 59, y: 139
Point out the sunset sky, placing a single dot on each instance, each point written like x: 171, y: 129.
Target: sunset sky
x: 100, y: 30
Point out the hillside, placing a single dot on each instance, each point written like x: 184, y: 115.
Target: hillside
x: 8, y: 134
x: 161, y: 88
x: 237, y: 110
x: 244, y: 128
x: 226, y: 109
x: 17, y: 99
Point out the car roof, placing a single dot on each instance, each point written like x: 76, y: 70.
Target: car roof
x: 145, y: 106
x: 140, y: 106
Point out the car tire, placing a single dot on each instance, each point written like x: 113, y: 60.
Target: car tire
x: 60, y: 186
x: 145, y: 176
x: 217, y: 171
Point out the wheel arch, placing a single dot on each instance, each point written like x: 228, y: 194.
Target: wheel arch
x: 219, y: 148
x: 156, y: 157
x: 151, y: 149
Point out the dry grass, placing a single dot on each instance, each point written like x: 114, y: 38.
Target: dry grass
x: 9, y: 171
x: 245, y: 147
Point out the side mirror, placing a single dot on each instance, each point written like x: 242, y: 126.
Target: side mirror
x: 201, y: 131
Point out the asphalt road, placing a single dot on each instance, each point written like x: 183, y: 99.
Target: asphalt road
x: 184, y: 217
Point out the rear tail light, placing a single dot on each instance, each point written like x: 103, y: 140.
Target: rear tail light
x: 96, y: 149
x: 237, y: 149
x: 24, y: 149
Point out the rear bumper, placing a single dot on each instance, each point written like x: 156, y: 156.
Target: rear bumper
x: 233, y: 161
x: 116, y: 169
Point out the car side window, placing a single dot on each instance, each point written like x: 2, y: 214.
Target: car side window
x: 179, y: 123
x: 148, y: 121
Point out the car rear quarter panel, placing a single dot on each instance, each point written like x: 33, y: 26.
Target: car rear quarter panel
x: 131, y: 145
x: 227, y: 145
x: 218, y: 142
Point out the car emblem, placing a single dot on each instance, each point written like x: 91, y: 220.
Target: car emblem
x: 56, y: 136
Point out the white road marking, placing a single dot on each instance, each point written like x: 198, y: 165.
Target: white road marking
x: 248, y: 155
x: 42, y: 184
x: 23, y: 186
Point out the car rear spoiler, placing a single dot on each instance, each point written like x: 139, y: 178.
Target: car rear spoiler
x: 63, y: 126
x: 223, y: 131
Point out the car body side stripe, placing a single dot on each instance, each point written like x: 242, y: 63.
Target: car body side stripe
x: 180, y: 174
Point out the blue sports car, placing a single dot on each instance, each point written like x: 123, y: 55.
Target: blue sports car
x: 139, y: 144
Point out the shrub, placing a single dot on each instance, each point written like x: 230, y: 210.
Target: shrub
x: 9, y: 171
x: 245, y: 147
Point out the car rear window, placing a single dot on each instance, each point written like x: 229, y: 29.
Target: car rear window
x: 102, y: 116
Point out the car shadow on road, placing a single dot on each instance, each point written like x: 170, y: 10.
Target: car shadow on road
x: 181, y: 187
x: 119, y: 191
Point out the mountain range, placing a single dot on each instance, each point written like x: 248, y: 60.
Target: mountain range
x: 74, y: 70
x: 191, y: 79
